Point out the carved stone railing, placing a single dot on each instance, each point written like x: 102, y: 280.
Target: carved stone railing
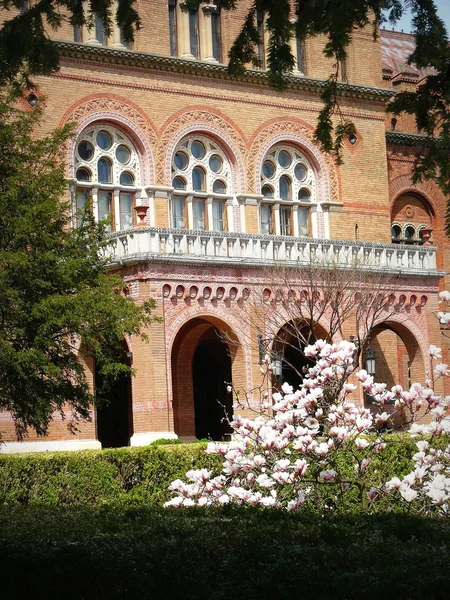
x: 144, y: 244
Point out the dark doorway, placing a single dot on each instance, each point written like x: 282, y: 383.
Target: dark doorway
x: 292, y: 341
x: 114, y: 412
x: 211, y: 371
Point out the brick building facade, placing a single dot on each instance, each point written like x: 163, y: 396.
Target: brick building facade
x: 212, y: 182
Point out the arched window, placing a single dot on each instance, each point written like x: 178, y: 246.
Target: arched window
x: 201, y: 178
x: 288, y: 187
x: 107, y: 173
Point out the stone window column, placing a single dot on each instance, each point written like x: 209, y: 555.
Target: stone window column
x: 95, y: 202
x: 230, y: 215
x: 209, y: 212
x: 116, y: 209
x: 295, y: 217
x: 184, y: 42
x: 190, y: 212
x: 88, y: 33
x: 205, y: 26
x: 276, y: 213
x: 116, y: 41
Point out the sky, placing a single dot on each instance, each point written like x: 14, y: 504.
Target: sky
x: 443, y: 10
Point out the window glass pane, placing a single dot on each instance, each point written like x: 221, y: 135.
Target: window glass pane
x: 218, y: 216
x: 268, y: 169
x: 396, y: 232
x: 300, y: 172
x: 126, y: 178
x: 284, y: 159
x: 104, y: 206
x: 104, y: 140
x: 304, y: 195
x: 83, y: 200
x: 179, y: 183
x: 85, y: 150
x: 126, y: 210
x: 104, y: 170
x: 267, y: 191
x: 99, y: 31
x: 198, y: 180
x: 285, y: 220
x: 173, y: 28
x: 303, y: 216
x: 181, y: 160
x: 409, y: 233
x: 216, y: 36
x: 285, y: 187
x: 266, y: 219
x: 83, y: 175
x: 123, y: 155
x: 193, y: 32
x: 77, y: 33
x: 215, y: 163
x: 198, y: 150
x: 199, y: 214
x: 178, y: 205
x: 260, y: 29
x: 300, y: 56
x: 219, y: 187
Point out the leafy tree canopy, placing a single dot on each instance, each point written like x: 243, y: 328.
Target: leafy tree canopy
x: 54, y: 285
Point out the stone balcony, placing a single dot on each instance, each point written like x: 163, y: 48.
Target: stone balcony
x: 181, y: 246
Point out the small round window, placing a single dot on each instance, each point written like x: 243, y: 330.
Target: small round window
x: 300, y: 172
x: 215, y: 163
x: 268, y: 169
x: 198, y: 150
x: 284, y: 159
x: 104, y: 140
x: 123, y: 154
x: 181, y: 160
x: 85, y: 150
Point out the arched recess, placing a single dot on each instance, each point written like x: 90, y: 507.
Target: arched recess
x: 299, y: 134
x: 114, y: 411
x: 398, y: 353
x: 289, y: 345
x: 428, y: 193
x: 206, y: 356
x: 203, y: 122
x: 120, y: 113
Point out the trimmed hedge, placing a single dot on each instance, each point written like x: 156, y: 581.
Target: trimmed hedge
x: 132, y: 477
x: 124, y: 476
x: 95, y: 554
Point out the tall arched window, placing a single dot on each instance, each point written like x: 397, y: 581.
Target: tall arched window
x: 288, y: 187
x: 201, y: 178
x: 107, y: 173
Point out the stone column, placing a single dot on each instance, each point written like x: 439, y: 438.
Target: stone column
x: 184, y: 43
x: 88, y: 33
x: 116, y: 34
x: 205, y: 26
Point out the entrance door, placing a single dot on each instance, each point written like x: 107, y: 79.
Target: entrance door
x: 211, y: 371
x: 114, y: 413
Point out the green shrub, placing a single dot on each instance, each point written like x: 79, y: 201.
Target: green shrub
x: 166, y: 442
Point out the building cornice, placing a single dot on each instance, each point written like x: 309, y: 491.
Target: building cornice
x: 170, y: 64
x: 396, y: 138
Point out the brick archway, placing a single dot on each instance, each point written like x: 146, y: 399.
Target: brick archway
x: 195, y: 411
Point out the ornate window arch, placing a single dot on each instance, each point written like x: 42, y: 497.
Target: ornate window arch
x: 107, y: 173
x: 411, y: 216
x: 201, y: 178
x: 288, y: 186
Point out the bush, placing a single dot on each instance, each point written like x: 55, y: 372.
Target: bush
x: 124, y: 476
x: 197, y: 554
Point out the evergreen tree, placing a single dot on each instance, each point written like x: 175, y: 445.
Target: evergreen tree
x: 54, y: 287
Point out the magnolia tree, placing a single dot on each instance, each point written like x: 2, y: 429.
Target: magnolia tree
x: 315, y: 448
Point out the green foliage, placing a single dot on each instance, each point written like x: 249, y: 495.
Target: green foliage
x: 166, y: 442
x: 96, y: 553
x: 125, y: 476
x: 54, y: 284
x: 141, y: 476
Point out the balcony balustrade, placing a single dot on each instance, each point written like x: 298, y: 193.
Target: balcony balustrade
x: 143, y: 244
